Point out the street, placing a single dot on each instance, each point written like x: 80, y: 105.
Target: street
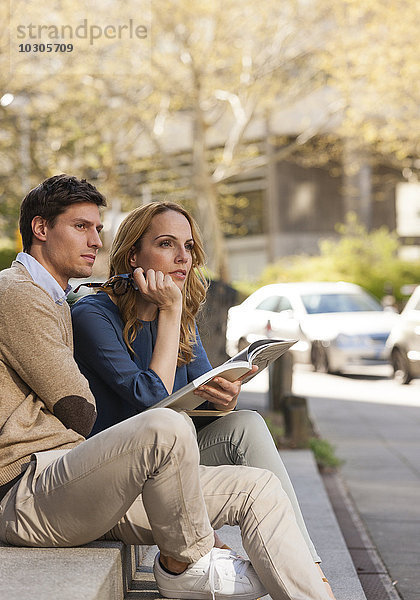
x: 374, y: 426
x: 367, y: 384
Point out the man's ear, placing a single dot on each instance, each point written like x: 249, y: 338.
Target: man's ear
x: 39, y: 228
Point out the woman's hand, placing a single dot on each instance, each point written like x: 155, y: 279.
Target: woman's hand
x: 220, y: 392
x: 159, y: 289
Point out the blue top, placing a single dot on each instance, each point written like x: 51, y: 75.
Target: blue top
x: 122, y: 382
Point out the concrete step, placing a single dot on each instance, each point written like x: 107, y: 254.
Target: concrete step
x: 97, y: 571
x: 322, y: 525
x: 113, y: 571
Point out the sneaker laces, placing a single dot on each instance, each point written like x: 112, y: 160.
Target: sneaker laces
x: 215, y: 568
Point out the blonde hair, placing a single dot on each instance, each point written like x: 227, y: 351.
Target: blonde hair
x: 129, y: 235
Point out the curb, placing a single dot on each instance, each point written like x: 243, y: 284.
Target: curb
x: 371, y: 570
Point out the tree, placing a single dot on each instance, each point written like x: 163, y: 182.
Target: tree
x: 62, y: 112
x: 220, y: 66
x: 217, y: 66
x: 369, y: 259
x: 196, y: 111
x: 369, y: 59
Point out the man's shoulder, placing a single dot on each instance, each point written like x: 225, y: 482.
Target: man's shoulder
x: 17, y: 286
x: 14, y: 275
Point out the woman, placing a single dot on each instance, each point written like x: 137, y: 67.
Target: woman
x: 137, y: 347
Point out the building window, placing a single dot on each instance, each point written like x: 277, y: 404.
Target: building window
x: 242, y: 214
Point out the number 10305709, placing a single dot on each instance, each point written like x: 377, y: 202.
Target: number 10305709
x: 45, y: 48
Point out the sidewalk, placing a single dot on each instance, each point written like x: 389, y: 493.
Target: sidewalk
x: 374, y: 426
x: 380, y: 446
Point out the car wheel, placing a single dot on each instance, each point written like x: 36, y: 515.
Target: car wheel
x: 319, y: 358
x: 401, y: 367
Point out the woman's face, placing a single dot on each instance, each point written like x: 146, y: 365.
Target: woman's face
x: 167, y: 247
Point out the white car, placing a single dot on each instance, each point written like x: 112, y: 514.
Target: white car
x: 337, y: 324
x: 403, y: 343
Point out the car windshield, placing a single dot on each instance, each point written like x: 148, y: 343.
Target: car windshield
x: 336, y: 303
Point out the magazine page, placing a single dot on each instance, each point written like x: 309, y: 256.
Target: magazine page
x: 262, y: 352
x: 185, y: 397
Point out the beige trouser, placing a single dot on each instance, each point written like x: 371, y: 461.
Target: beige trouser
x: 140, y: 482
x: 242, y: 438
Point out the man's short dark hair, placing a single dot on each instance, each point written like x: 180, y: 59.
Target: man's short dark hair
x: 51, y: 198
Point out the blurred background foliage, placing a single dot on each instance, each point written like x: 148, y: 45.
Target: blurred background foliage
x: 216, y: 69
x: 7, y: 254
x: 369, y: 259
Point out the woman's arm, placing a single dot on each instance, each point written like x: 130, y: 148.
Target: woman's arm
x: 105, y: 361
x: 161, y: 291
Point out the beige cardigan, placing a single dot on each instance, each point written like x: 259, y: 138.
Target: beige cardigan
x: 45, y: 402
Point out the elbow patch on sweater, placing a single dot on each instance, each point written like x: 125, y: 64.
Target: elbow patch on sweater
x: 76, y: 413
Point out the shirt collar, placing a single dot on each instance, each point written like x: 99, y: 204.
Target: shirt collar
x: 43, y: 278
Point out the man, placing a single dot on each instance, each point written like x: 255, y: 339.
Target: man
x: 139, y: 481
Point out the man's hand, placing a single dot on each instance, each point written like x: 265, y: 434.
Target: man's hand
x: 221, y: 393
x: 158, y: 289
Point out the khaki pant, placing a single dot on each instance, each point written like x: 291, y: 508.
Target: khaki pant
x: 140, y: 482
x: 242, y: 438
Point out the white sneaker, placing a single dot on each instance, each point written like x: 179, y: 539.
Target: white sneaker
x: 217, y: 575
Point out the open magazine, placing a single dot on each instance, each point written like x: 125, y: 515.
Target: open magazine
x: 260, y: 353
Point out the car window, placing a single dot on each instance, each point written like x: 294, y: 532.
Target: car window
x: 269, y: 303
x: 275, y: 304
x: 417, y: 306
x: 333, y: 303
x: 284, y: 304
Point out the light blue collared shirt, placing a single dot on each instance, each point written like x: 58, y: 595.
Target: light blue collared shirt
x: 43, y: 278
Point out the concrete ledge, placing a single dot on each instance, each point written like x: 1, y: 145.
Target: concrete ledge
x: 322, y: 525
x: 97, y: 571
x: 113, y: 571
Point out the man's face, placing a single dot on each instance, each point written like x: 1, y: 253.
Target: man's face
x: 70, y: 246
